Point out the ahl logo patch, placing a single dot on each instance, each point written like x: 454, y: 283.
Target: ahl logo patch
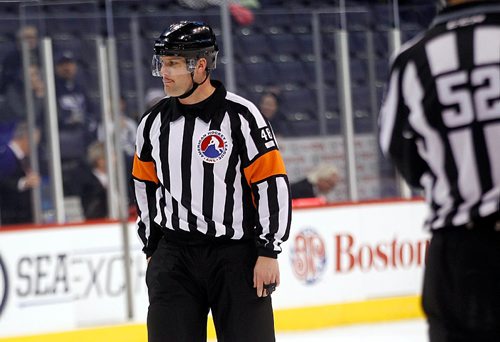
x: 212, y: 146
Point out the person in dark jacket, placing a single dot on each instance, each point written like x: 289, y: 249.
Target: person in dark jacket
x: 16, y: 179
x: 77, y: 123
x: 13, y: 61
x: 95, y: 183
x: 269, y: 106
x: 318, y: 183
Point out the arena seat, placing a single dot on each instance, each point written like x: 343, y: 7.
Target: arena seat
x: 299, y: 104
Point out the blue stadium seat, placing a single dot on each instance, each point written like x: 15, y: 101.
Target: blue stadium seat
x: 381, y: 43
x: 359, y: 71
x: 274, y: 23
x: 252, y: 44
x: 127, y: 80
x: 124, y: 51
x: 305, y: 128
x: 329, y: 22
x: 382, y: 16
x: 381, y: 70
x: 240, y: 71
x: 332, y: 100
x: 5, y: 48
x: 263, y: 73
x: 220, y: 73
x: 305, y: 44
x: 361, y: 107
x: 299, y: 104
x: 330, y: 72
x: 122, y: 27
x: 328, y: 43
x: 293, y: 72
x: 284, y: 43
x: 9, y: 28
x: 357, y: 43
x: 357, y: 21
x: 302, y: 23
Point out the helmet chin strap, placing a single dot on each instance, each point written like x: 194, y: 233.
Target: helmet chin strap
x: 194, y: 87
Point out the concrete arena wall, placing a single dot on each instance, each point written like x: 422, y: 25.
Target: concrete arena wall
x: 342, y: 264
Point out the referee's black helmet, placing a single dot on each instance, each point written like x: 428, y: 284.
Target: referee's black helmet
x: 189, y: 39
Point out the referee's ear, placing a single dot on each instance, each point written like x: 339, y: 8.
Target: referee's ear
x: 201, y: 68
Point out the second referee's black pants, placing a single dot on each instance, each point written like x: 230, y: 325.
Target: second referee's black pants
x: 185, y: 282
x: 461, y: 295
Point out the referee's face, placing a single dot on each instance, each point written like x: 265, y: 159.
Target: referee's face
x: 175, y: 75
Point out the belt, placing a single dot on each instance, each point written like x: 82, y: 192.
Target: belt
x: 488, y: 223
x: 491, y: 222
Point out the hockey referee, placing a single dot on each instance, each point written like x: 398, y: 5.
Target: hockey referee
x: 440, y: 125
x: 213, y: 199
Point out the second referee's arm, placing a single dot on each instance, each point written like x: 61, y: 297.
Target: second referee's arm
x: 397, y: 137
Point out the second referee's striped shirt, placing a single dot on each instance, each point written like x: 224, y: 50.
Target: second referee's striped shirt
x: 440, y: 122
x: 210, y: 171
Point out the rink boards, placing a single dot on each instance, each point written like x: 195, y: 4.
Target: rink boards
x: 342, y: 264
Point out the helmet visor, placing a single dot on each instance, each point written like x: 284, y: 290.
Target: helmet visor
x: 171, y: 65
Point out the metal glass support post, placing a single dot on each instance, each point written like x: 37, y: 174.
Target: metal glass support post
x: 53, y: 130
x: 36, y: 194
x: 120, y: 170
x: 344, y: 84
x: 118, y: 156
x: 228, y: 45
x: 395, y: 45
x: 372, y: 80
x: 319, y: 74
x: 138, y: 68
x: 107, y: 120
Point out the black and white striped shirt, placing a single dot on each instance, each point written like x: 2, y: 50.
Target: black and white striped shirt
x: 210, y: 171
x: 440, y: 121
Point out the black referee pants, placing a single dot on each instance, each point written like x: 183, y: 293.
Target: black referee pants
x: 461, y: 295
x: 184, y: 282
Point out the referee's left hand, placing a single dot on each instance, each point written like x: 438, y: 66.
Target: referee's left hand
x: 266, y: 271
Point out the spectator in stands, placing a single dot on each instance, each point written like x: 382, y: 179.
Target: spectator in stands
x: 16, y: 178
x: 95, y: 183
x: 14, y: 108
x: 269, y: 107
x: 15, y: 102
x: 127, y: 130
x: 318, y: 183
x: 77, y: 124
x: 11, y: 82
x: 13, y: 61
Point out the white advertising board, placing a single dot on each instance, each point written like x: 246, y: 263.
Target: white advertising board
x: 71, y: 277
x: 353, y: 253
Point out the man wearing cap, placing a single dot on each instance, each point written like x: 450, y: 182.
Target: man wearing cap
x: 77, y: 124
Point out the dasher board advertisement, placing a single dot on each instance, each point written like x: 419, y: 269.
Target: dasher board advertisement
x: 64, y: 278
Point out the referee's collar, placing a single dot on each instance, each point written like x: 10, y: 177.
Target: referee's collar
x: 205, y: 109
x: 466, y: 9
